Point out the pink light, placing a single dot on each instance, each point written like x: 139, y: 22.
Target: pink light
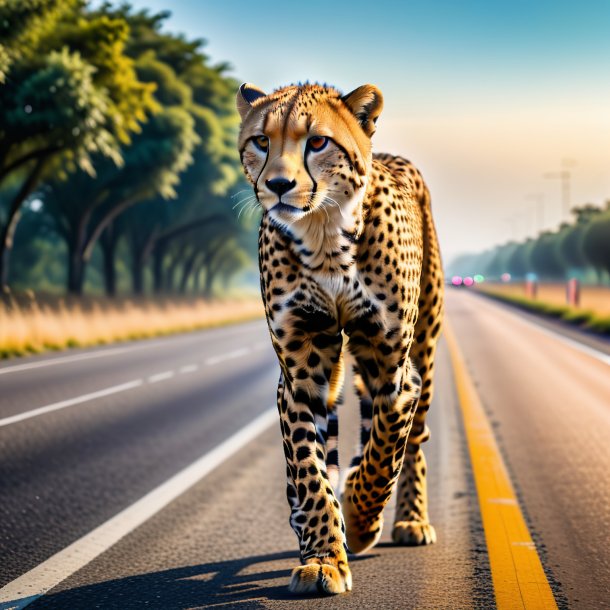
x: 468, y: 281
x: 456, y: 280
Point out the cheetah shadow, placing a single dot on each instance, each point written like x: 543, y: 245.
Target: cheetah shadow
x: 239, y: 583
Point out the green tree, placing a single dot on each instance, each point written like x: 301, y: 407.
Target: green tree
x: 596, y: 241
x: 518, y: 262
x: 571, y: 237
x: 60, y: 108
x: 23, y: 23
x: 544, y: 258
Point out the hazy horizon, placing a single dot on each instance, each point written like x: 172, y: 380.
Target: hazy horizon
x: 484, y: 99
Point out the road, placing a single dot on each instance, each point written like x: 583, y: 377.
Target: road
x: 86, y: 434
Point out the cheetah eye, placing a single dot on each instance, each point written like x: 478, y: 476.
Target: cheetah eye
x: 261, y: 142
x: 317, y: 143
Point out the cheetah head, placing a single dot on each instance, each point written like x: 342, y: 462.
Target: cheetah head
x: 307, y: 149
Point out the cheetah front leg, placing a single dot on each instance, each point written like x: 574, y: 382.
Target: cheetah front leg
x: 369, y: 486
x: 308, y: 359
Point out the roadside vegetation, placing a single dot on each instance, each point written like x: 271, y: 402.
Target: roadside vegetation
x: 32, y: 324
x: 119, y: 177
x: 578, y: 249
x: 596, y: 320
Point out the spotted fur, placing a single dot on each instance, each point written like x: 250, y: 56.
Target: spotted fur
x: 348, y: 259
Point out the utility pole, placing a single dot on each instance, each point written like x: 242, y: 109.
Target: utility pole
x: 565, y: 175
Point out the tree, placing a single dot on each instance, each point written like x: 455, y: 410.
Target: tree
x: 518, y: 262
x: 544, y: 258
x: 84, y: 206
x: 596, y: 241
x: 571, y: 238
x: 57, y: 99
x: 63, y: 107
x: 23, y: 23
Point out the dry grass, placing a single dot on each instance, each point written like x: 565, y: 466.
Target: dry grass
x: 29, y: 324
x: 592, y: 298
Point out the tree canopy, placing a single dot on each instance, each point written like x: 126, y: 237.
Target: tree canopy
x: 125, y: 135
x: 577, y: 249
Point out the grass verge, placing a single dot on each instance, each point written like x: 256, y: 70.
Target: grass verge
x: 30, y: 325
x: 585, y: 319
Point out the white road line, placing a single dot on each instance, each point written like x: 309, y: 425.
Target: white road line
x: 27, y: 588
x: 70, y: 402
x: 161, y: 376
x: 582, y: 347
x: 189, y: 368
x: 236, y: 354
x: 146, y: 344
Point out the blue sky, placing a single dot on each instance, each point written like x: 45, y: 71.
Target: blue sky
x: 484, y: 96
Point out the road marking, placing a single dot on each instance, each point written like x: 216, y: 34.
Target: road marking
x: 70, y: 402
x: 103, y: 352
x: 582, y: 347
x: 161, y: 376
x: 518, y: 577
x: 238, y: 353
x: 189, y: 368
x: 31, y: 586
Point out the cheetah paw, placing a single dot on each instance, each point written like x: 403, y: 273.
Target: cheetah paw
x: 413, y: 533
x: 321, y: 578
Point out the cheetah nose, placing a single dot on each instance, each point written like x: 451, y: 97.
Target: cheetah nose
x: 280, y: 185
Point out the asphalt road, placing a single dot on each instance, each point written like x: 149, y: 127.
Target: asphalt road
x: 159, y: 405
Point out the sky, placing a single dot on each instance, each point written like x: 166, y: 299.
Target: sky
x: 484, y: 96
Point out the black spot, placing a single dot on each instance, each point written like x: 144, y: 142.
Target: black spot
x: 299, y: 434
x: 302, y: 454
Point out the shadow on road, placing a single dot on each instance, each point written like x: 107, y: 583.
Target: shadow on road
x: 239, y: 583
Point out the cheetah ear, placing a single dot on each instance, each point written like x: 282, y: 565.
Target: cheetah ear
x: 247, y: 94
x: 366, y: 104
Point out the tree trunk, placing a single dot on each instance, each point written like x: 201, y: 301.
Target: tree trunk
x: 158, y: 256
x: 137, y: 275
x: 170, y: 273
x: 8, y: 231
x: 197, y: 280
x: 76, y: 270
x: 207, y: 286
x: 108, y: 244
x: 187, y: 270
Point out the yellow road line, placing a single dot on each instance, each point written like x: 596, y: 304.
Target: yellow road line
x: 518, y: 578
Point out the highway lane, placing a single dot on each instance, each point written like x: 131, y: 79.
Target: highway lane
x: 550, y: 407
x: 226, y: 542
x: 28, y: 383
x: 65, y: 472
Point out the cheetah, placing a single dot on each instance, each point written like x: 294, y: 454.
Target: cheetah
x: 349, y: 262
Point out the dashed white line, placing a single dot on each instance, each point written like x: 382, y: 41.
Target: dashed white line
x: 238, y: 353
x: 161, y: 376
x: 71, y: 401
x: 147, y: 344
x: 156, y: 378
x: 34, y: 584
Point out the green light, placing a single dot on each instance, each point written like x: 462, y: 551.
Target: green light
x: 478, y: 278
